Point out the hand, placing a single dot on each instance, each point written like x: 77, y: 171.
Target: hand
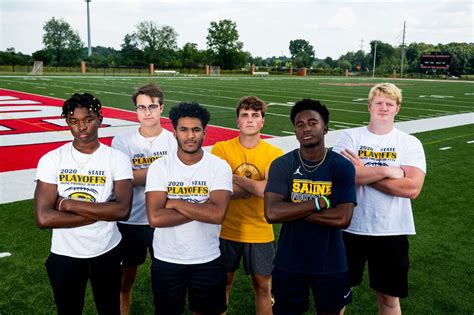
x: 348, y: 154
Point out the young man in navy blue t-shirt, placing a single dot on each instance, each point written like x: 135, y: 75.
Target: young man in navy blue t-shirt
x: 312, y: 192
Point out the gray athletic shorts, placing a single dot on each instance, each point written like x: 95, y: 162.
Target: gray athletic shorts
x: 258, y: 257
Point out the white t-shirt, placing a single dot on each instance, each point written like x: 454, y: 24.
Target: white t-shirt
x: 85, y: 177
x: 378, y: 213
x: 194, y: 242
x: 142, y: 152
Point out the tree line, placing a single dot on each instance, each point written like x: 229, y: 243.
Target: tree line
x: 157, y: 44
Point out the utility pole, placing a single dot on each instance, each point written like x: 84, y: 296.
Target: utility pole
x: 361, y: 43
x: 89, y: 49
x: 403, y: 49
x: 373, y: 65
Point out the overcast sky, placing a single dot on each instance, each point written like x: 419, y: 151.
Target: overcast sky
x: 265, y: 27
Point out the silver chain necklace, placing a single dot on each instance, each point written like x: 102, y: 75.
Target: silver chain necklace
x: 311, y: 168
x: 81, y: 164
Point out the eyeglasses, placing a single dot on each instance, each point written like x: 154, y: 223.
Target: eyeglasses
x: 152, y: 108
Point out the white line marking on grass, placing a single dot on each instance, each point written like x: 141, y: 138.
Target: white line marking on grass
x: 470, y: 141
x: 359, y: 99
x: 288, y: 132
x: 444, y: 148
x: 436, y: 96
x: 5, y: 254
x: 468, y: 93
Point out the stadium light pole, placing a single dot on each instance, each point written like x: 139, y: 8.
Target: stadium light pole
x: 373, y: 65
x: 89, y: 48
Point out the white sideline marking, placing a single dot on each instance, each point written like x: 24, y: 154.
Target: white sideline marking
x: 444, y: 148
x: 5, y: 254
x: 470, y: 141
x: 436, y: 96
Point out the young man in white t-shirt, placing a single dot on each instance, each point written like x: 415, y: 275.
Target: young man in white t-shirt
x: 82, y: 188
x: 142, y: 146
x: 187, y: 195
x: 390, y: 170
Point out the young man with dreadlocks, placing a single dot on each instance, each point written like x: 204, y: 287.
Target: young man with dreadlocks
x: 82, y: 188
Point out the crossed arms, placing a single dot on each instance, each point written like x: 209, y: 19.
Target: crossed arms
x: 278, y: 210
x: 404, y: 181
x: 52, y: 211
x: 164, y: 212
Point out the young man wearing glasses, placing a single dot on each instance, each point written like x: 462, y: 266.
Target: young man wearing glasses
x: 144, y: 145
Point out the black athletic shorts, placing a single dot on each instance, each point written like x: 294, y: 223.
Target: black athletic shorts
x: 136, y: 240
x: 387, y: 258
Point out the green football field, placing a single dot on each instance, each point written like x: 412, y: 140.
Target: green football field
x: 346, y: 98
x: 441, y: 253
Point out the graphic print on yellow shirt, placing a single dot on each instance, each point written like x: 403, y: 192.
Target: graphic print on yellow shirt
x: 245, y: 221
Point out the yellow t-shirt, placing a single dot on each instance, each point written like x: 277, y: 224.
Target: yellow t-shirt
x: 245, y: 221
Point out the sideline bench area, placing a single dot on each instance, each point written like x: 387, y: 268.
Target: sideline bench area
x: 260, y: 73
x: 166, y: 72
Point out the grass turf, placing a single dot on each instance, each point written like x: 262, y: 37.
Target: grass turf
x: 441, y: 253
x: 346, y: 98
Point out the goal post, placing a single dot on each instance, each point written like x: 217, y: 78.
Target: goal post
x: 37, y: 68
x: 214, y: 71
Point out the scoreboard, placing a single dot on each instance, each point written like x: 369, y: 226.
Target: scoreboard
x: 435, y: 60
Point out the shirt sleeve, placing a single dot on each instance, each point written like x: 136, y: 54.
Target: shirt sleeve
x: 415, y: 155
x: 156, y: 179
x: 222, y: 179
x: 123, y: 167
x: 217, y: 150
x: 343, y: 188
x: 344, y: 141
x: 47, y: 170
x: 278, y: 178
x: 119, y: 144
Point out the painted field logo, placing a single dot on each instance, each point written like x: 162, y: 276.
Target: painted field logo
x: 31, y: 125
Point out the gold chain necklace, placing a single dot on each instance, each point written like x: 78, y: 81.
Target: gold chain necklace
x: 311, y: 168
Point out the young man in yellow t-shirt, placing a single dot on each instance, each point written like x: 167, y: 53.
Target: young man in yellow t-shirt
x: 245, y: 232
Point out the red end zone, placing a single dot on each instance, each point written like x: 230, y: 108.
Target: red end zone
x: 31, y: 125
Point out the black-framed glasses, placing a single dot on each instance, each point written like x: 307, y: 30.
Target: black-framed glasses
x: 152, y: 108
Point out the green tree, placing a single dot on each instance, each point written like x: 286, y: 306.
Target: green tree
x: 224, y: 45
x: 190, y: 56
x: 159, y: 44
x: 302, y: 53
x: 64, y: 44
x: 130, y: 54
x: 43, y: 55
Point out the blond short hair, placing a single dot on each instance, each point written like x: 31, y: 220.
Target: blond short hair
x: 388, y: 89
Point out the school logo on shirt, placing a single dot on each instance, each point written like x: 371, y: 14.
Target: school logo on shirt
x: 81, y: 194
x: 305, y: 189
x: 248, y: 170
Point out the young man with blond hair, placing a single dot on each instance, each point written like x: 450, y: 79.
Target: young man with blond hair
x: 142, y: 146
x: 245, y: 232
x: 390, y: 170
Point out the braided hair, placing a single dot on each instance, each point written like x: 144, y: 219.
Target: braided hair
x: 85, y: 100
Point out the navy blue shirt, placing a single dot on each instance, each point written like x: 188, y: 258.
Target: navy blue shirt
x: 303, y: 246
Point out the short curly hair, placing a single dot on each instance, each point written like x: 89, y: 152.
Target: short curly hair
x: 193, y: 110
x: 85, y: 100
x: 310, y: 104
x: 251, y: 102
